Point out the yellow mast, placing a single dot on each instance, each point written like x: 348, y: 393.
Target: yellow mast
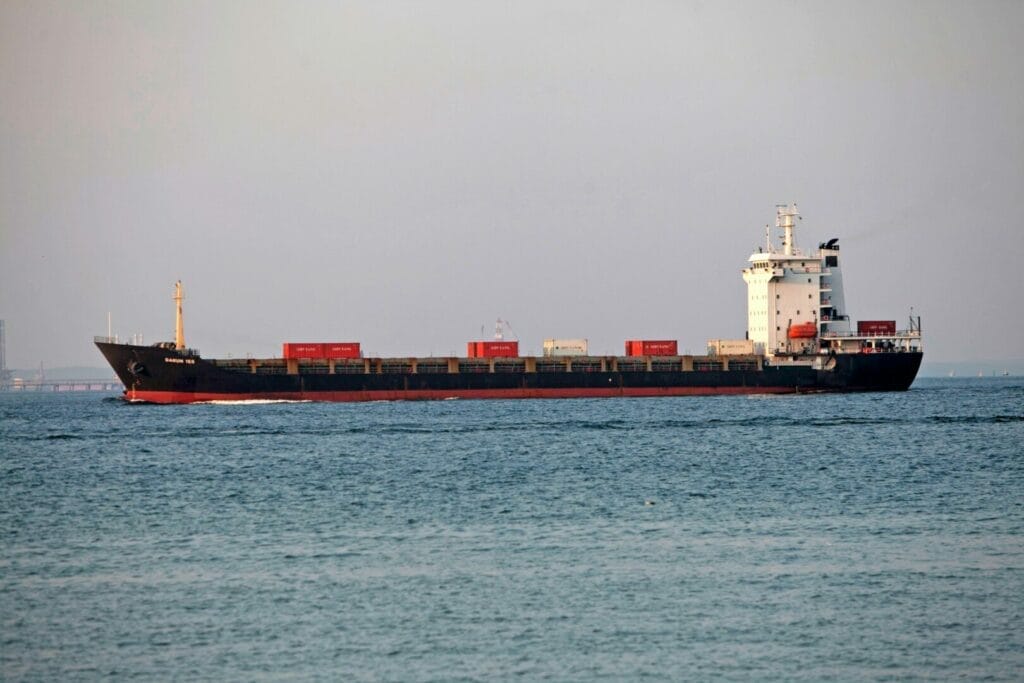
x: 179, y: 328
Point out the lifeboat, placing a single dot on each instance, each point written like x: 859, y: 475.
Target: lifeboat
x: 803, y: 331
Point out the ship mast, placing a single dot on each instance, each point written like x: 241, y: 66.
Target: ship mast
x: 179, y: 327
x: 784, y: 216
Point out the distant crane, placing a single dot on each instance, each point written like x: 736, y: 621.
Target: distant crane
x: 499, y: 332
x: 5, y: 374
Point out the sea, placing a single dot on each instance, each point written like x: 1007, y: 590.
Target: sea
x: 873, y: 536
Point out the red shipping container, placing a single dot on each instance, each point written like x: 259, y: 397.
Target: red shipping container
x: 303, y: 350
x: 661, y: 348
x: 493, y: 349
x: 652, y: 347
x: 341, y: 350
x: 876, y: 327
x: 500, y: 349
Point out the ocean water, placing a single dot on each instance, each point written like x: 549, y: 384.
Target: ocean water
x: 866, y: 537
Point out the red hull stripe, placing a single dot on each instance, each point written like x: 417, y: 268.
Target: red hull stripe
x: 438, y: 394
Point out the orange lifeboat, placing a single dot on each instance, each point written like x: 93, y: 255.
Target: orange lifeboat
x: 803, y: 331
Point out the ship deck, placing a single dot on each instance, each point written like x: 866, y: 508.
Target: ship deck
x: 518, y: 365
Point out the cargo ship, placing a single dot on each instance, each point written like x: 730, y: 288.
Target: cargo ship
x: 799, y: 339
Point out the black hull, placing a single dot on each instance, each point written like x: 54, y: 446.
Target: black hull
x: 166, y: 376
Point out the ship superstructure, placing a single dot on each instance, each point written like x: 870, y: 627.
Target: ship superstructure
x: 799, y: 339
x: 795, y: 302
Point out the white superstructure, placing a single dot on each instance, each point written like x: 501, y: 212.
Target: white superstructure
x: 795, y: 301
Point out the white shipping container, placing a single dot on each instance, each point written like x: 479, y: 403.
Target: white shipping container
x: 730, y: 347
x: 565, y: 347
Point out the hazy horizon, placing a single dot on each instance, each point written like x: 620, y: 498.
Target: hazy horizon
x: 402, y: 174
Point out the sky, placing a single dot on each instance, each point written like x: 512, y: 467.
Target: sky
x: 404, y: 174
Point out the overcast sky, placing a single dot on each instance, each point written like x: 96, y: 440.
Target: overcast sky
x: 401, y: 174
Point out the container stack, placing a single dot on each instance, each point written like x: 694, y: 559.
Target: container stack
x: 321, y: 350
x: 875, y: 328
x: 730, y: 347
x: 565, y: 347
x: 652, y: 347
x: 492, y: 349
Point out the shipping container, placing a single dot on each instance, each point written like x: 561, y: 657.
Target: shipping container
x: 321, y: 350
x: 730, y: 347
x: 342, y: 350
x: 303, y: 350
x: 652, y: 347
x: 499, y: 349
x: 565, y: 347
x: 876, y: 327
x: 492, y: 349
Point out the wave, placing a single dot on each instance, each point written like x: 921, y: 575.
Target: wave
x: 670, y: 424
x: 561, y: 426
x: 975, y: 419
x: 251, y: 401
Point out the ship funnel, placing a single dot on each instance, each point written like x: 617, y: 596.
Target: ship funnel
x: 179, y: 326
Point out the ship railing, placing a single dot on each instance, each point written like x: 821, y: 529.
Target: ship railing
x: 169, y: 346
x: 900, y: 334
